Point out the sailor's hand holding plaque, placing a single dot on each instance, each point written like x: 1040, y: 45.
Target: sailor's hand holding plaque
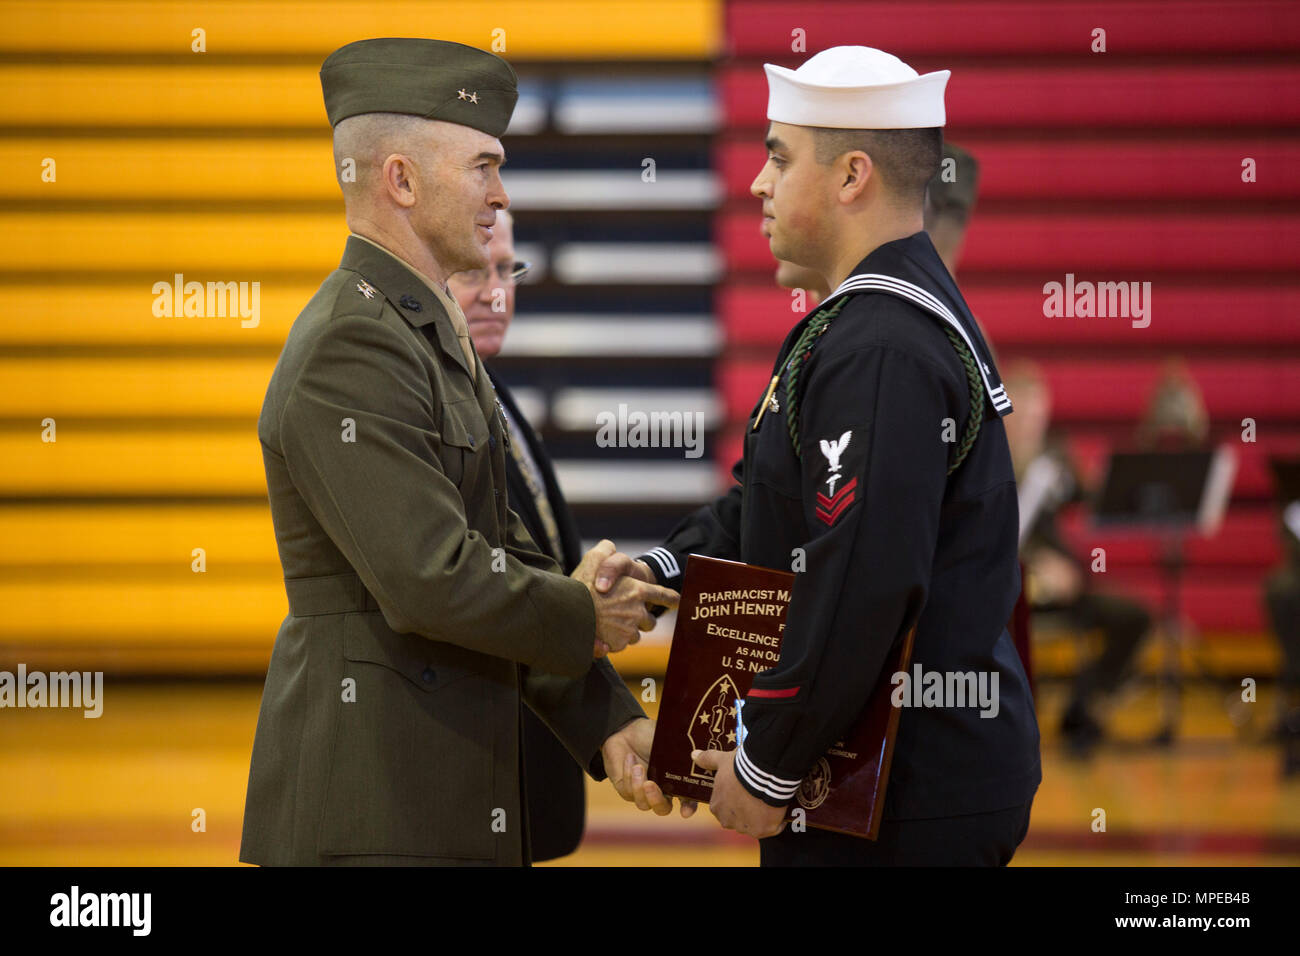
x: 730, y: 624
x: 734, y: 806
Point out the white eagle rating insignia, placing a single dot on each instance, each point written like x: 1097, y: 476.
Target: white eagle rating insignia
x: 833, y: 450
x: 833, y: 504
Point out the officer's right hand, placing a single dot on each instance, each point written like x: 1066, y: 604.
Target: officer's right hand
x: 621, y: 612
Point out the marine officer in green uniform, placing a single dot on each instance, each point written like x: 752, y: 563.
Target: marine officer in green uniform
x: 421, y: 614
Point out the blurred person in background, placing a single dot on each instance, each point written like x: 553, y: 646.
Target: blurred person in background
x: 950, y: 202
x: 1057, y: 582
x: 554, y: 788
x: 1282, y: 601
x: 1175, y: 418
x: 791, y: 276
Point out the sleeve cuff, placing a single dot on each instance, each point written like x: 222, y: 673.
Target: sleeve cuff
x: 663, y: 562
x: 768, y: 787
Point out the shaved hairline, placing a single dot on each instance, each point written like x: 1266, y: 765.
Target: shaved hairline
x: 368, y: 139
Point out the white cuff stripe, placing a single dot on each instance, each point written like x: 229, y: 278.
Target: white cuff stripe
x: 765, y: 777
x: 670, y: 561
x: 666, y: 560
x: 778, y: 788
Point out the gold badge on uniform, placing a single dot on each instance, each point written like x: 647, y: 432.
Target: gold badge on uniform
x: 366, y: 289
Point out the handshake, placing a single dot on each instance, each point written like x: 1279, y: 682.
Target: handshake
x: 622, y: 591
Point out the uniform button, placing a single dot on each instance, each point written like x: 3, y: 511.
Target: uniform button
x: 497, y: 492
x: 428, y: 675
x: 492, y: 442
x: 471, y: 441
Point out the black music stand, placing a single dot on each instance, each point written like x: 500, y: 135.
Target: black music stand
x: 1286, y: 482
x: 1171, y: 495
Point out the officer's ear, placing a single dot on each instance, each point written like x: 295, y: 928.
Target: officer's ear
x: 853, y: 170
x: 399, y: 179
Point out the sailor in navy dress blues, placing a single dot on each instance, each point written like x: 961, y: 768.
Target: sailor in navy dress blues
x: 876, y: 466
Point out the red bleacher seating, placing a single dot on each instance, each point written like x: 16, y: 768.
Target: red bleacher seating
x: 1116, y: 166
x: 1267, y: 390
x: 1185, y: 315
x: 1118, y: 96
x: 1130, y: 246
x: 1028, y: 166
x: 761, y: 28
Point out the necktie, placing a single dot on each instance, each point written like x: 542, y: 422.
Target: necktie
x: 536, y: 486
x: 461, y: 327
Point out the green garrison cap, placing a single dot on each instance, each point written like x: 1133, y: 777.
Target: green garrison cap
x: 954, y: 195
x: 435, y: 79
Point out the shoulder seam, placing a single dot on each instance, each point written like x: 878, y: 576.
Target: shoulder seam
x: 315, y: 346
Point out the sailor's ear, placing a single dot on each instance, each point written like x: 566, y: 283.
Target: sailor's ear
x: 853, y: 171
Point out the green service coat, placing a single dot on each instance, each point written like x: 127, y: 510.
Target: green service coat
x: 420, y: 611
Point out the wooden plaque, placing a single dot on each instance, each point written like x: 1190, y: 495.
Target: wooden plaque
x: 730, y: 622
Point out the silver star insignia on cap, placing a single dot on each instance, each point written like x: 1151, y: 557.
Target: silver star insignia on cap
x: 472, y: 97
x: 366, y: 289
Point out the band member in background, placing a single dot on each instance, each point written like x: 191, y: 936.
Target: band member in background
x: 1058, y: 583
x: 950, y: 202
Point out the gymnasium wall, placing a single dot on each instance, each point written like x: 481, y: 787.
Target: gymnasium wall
x: 167, y: 142
x: 129, y: 157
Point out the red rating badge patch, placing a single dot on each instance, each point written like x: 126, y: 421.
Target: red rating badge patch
x: 830, y: 509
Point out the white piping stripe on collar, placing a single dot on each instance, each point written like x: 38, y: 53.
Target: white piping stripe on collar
x: 935, y: 304
x: 904, y: 289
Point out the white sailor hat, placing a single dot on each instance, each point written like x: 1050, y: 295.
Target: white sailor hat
x: 855, y: 87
